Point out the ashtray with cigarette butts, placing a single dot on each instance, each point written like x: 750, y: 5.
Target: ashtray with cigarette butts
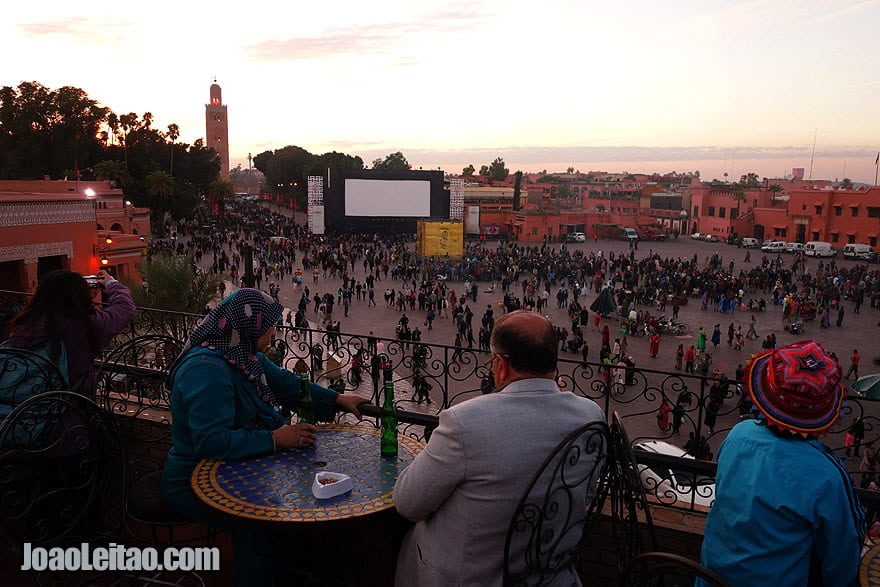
x: 328, y: 484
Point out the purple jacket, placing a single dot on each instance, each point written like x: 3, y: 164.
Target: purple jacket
x: 81, y: 355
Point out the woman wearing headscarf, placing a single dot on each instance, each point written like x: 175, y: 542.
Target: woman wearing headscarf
x: 226, y: 402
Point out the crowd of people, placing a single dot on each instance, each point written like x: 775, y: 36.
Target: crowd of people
x: 531, y: 277
x: 228, y: 393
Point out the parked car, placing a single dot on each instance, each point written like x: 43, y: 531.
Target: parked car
x: 697, y: 236
x: 749, y: 243
x: 664, y: 482
x: 650, y: 233
x: 712, y: 238
x: 857, y: 251
x: 576, y: 237
x: 819, y: 249
x: 794, y: 247
x: 627, y: 234
x: 774, y: 247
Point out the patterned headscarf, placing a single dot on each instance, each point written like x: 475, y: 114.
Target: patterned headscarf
x: 233, y: 328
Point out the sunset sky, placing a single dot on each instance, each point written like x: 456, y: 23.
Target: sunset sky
x: 635, y: 85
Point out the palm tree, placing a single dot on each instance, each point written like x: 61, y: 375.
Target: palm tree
x: 173, y: 283
x: 775, y: 189
x: 846, y: 184
x: 112, y: 171
x: 173, y: 133
x: 159, y: 187
x: 219, y: 191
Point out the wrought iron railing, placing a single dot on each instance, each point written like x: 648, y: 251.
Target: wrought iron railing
x: 457, y: 374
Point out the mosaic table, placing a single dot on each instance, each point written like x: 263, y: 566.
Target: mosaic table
x: 870, y: 567
x: 278, y: 487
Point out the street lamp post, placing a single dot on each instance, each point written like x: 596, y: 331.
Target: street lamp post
x: 249, y: 175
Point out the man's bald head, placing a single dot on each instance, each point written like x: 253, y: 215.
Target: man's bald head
x: 528, y: 340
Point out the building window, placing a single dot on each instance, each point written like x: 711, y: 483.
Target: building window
x: 711, y: 210
x: 835, y: 237
x: 872, y: 241
x: 855, y: 211
x: 873, y: 212
x: 851, y: 238
x: 722, y: 212
x: 535, y: 231
x: 696, y: 211
x: 779, y: 232
x: 734, y: 212
x: 818, y: 210
x: 838, y: 210
x: 815, y: 235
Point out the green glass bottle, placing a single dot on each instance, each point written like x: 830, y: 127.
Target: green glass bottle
x: 305, y: 410
x: 389, y: 423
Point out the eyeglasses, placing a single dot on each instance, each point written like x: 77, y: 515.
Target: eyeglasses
x: 492, y: 358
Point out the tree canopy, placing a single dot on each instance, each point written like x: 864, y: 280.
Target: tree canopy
x: 287, y: 170
x: 65, y: 133
x: 393, y: 162
x: 498, y: 171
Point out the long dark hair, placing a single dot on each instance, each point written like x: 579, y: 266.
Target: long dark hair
x: 60, y: 294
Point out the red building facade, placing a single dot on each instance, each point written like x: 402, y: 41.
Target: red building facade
x: 47, y: 225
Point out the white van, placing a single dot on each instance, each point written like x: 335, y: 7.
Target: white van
x: 774, y: 247
x: 628, y: 234
x: 856, y: 251
x: 819, y: 249
x: 750, y: 243
x: 794, y: 247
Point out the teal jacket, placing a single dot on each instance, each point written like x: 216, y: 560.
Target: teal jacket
x: 216, y: 414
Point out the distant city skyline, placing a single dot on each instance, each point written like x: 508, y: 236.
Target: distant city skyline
x: 730, y: 86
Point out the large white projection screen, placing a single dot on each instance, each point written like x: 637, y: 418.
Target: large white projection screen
x: 378, y: 197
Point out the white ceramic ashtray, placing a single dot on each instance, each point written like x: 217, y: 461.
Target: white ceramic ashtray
x: 329, y: 485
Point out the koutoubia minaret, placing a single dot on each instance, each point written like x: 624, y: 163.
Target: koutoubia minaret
x: 217, y: 129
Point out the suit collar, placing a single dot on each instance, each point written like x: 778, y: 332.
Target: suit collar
x: 531, y: 385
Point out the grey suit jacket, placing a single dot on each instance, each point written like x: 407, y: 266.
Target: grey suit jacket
x: 462, y: 489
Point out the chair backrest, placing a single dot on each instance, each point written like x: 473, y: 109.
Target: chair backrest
x: 130, y: 385
x: 664, y: 569
x: 628, y: 496
x: 130, y: 378
x: 560, y: 503
x: 24, y: 374
x: 62, y: 472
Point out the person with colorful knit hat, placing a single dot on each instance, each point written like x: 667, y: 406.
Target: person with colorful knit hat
x: 785, y: 511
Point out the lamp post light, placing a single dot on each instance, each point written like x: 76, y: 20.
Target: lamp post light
x: 100, y: 250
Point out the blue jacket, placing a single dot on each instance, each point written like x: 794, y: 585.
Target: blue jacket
x: 216, y: 414
x: 780, y: 502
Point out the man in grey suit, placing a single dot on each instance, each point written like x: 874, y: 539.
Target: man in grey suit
x: 463, y: 488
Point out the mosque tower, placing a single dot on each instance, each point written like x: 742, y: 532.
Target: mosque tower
x: 217, y: 129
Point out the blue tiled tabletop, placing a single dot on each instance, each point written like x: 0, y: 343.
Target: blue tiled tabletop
x: 278, y: 487
x: 870, y: 567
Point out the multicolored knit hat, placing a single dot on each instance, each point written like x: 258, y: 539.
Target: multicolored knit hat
x: 797, y: 388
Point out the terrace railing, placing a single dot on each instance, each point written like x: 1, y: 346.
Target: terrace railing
x: 457, y: 374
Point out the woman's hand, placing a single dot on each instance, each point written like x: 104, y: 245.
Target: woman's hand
x: 295, y: 436
x: 104, y: 278
x: 349, y: 402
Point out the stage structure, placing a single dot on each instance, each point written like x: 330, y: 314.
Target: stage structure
x: 316, y: 204
x: 439, y: 238
x: 456, y: 199
x: 370, y: 201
